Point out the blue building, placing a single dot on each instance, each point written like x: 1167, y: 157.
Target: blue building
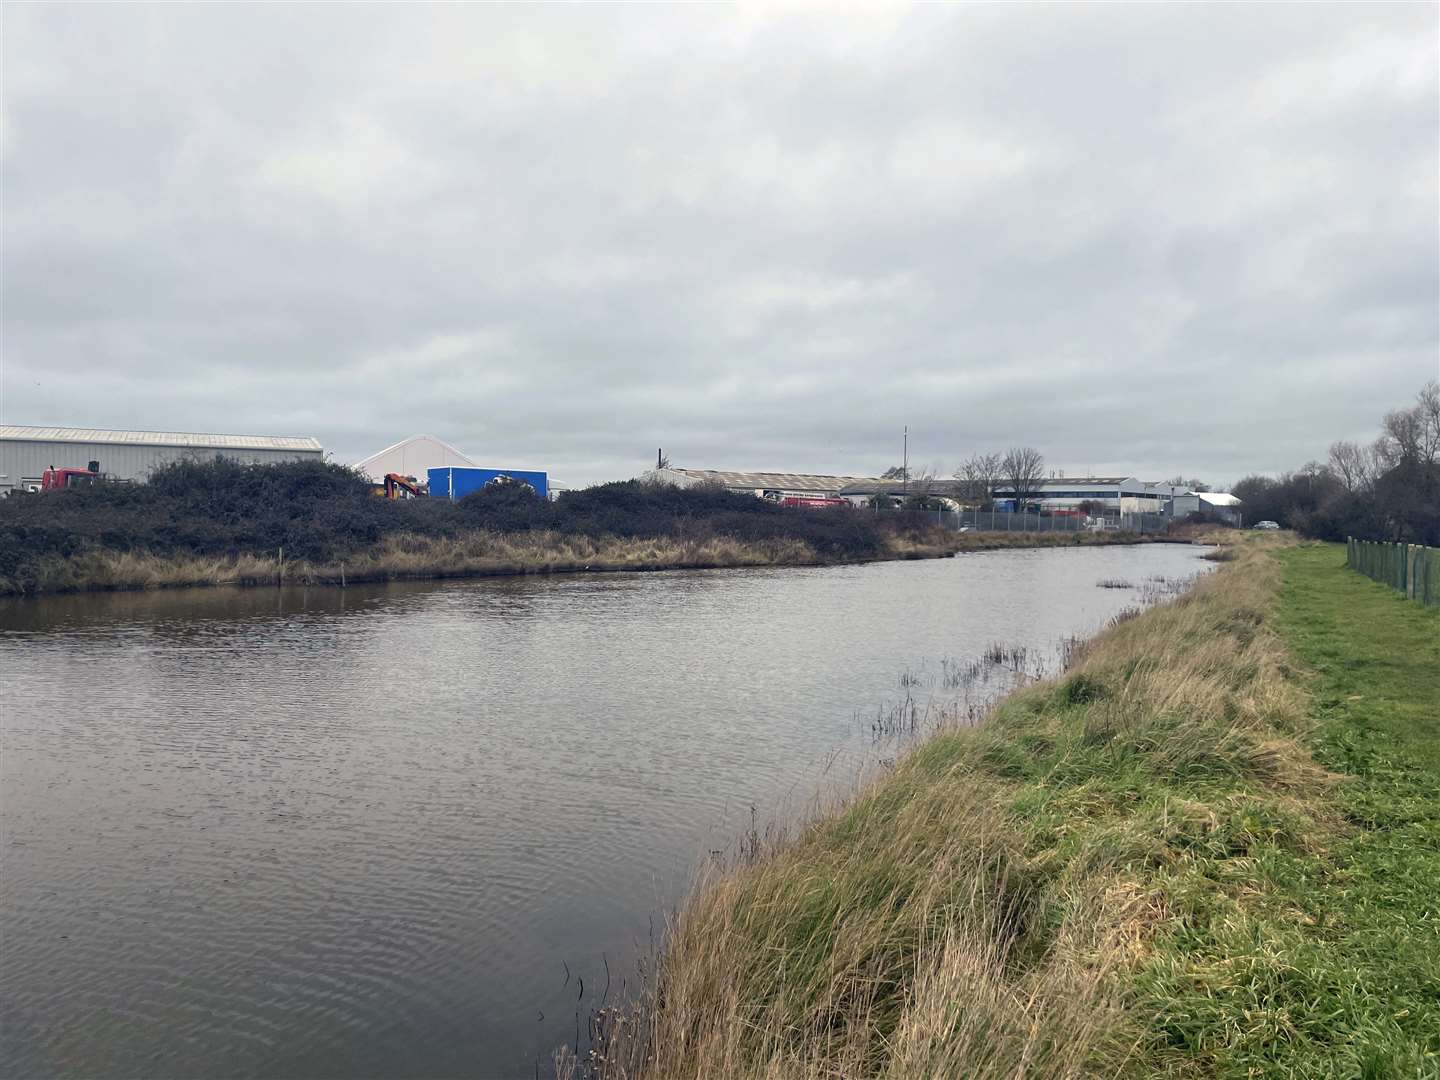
x: 455, y: 482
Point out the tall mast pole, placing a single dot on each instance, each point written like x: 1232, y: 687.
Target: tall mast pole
x: 905, y: 464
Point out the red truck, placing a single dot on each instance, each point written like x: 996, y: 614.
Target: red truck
x: 53, y: 479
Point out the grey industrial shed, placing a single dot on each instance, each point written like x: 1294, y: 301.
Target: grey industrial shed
x: 26, y: 452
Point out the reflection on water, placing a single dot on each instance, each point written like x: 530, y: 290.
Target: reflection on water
x: 365, y: 832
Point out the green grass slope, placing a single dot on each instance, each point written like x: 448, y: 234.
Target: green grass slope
x: 1212, y: 849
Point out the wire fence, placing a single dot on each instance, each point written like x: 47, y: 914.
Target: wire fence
x: 1412, y: 569
x: 1002, y: 521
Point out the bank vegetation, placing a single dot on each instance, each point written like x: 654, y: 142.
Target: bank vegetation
x: 1134, y: 869
x: 1388, y: 489
x: 222, y: 523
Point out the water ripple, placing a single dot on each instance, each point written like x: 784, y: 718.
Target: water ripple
x: 366, y: 832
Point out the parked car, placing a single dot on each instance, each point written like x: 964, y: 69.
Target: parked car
x: 1266, y: 525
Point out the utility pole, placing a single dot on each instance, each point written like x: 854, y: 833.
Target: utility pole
x: 905, y: 464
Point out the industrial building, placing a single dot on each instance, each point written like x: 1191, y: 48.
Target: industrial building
x: 1123, y: 493
x: 1218, y: 504
x: 455, y: 483
x: 950, y: 492
x: 1105, y: 494
x: 445, y: 472
x: 414, y: 456
x: 797, y: 485
x: 26, y: 452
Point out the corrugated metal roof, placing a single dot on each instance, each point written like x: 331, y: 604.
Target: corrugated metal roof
x: 947, y: 488
x: 1066, y: 482
x: 1060, y: 481
x: 772, y: 481
x: 198, y: 440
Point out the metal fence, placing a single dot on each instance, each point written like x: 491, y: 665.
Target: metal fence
x: 1410, y: 568
x: 1000, y: 521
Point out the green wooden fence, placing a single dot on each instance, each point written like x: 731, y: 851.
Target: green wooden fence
x: 1412, y: 569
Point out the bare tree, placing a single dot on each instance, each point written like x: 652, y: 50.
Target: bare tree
x: 990, y: 476
x: 969, y: 476
x: 1353, y: 465
x: 1023, y: 468
x: 1399, y: 437
x: 1427, y: 410
x: 979, y: 474
x: 1413, y: 435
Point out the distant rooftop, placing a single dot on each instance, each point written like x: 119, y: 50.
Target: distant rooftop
x: 195, y: 439
x: 901, y: 487
x: 1073, y: 481
x: 413, y: 440
x: 769, y: 480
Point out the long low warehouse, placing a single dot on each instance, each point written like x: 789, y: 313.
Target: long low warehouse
x: 26, y: 452
x: 799, y: 485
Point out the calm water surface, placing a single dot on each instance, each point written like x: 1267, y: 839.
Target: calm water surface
x: 366, y: 833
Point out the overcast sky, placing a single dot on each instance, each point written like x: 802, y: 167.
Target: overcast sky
x: 1146, y: 240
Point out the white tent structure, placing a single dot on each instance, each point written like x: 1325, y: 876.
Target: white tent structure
x: 414, y: 456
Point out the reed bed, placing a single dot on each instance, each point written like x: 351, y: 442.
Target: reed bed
x: 983, y: 908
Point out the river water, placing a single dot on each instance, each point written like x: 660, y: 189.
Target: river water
x: 387, y: 831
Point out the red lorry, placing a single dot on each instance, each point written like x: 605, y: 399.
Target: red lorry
x: 53, y: 479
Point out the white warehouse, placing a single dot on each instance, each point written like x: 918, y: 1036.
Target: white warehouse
x: 1123, y: 493
x: 414, y: 456
x: 26, y: 452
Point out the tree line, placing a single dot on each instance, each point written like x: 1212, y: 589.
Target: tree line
x: 1388, y: 489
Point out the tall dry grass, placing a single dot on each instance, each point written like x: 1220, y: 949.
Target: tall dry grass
x: 974, y: 912
x: 480, y: 552
x: 408, y: 556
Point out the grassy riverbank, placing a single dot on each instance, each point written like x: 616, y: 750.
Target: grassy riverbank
x: 221, y: 523
x: 1208, y: 850
x: 485, y: 553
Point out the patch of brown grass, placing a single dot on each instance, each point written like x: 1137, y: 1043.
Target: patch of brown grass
x: 481, y: 553
x: 408, y: 556
x: 476, y: 553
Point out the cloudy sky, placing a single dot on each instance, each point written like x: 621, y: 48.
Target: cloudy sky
x: 1145, y: 239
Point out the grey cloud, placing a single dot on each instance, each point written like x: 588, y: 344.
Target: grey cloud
x: 1147, y: 239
